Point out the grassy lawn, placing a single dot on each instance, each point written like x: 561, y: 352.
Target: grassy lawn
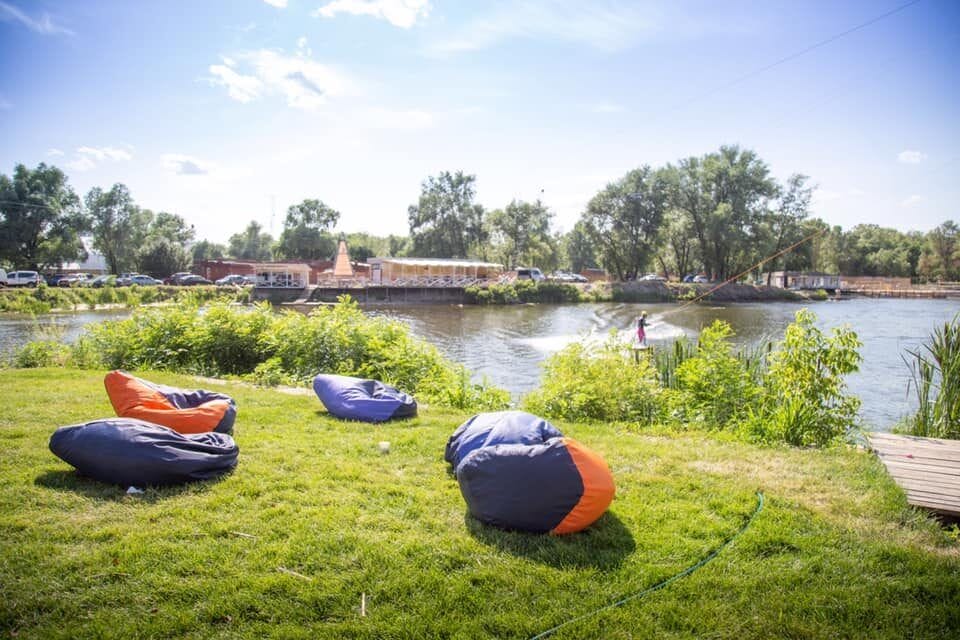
x: 314, y: 516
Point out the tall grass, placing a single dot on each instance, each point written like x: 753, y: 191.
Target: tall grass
x: 44, y: 299
x: 935, y: 372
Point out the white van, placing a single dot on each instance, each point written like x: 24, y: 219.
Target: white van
x: 3, y: 278
x: 23, y: 279
x: 530, y: 274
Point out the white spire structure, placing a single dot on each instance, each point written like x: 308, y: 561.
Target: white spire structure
x: 341, y: 264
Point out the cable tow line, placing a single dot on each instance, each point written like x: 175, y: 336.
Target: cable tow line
x: 660, y: 585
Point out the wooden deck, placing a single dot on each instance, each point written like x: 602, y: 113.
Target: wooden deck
x: 928, y: 469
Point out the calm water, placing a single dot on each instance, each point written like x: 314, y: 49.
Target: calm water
x: 508, y: 344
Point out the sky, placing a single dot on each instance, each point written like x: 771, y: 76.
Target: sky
x: 227, y: 111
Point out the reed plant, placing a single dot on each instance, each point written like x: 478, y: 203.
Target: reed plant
x: 935, y: 379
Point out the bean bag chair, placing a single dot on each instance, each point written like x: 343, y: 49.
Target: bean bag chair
x: 186, y: 411
x: 132, y: 452
x: 517, y: 471
x: 365, y: 400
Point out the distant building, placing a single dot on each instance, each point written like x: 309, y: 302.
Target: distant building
x: 594, y: 274
x: 435, y: 272
x: 95, y: 263
x: 802, y: 280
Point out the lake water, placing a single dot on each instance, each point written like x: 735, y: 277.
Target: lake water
x: 507, y: 345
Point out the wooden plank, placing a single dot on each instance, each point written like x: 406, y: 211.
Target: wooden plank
x: 902, y: 443
x: 935, y: 507
x: 919, y: 452
x: 896, y: 437
x: 928, y: 486
x: 919, y: 496
x: 901, y: 463
x: 947, y: 481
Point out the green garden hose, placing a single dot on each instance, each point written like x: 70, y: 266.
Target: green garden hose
x: 660, y: 585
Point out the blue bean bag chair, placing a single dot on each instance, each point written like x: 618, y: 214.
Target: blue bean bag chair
x: 131, y: 452
x: 360, y: 399
x: 516, y: 471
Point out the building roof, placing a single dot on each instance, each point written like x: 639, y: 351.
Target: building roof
x: 437, y: 262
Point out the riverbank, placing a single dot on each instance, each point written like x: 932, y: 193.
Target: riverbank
x: 45, y: 299
x: 315, y: 520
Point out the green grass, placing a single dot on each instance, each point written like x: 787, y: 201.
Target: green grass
x: 835, y: 553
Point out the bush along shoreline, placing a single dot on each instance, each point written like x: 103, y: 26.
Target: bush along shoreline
x: 527, y: 291
x: 791, y: 392
x: 258, y: 344
x: 44, y: 299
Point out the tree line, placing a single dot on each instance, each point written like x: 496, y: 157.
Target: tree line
x: 721, y: 214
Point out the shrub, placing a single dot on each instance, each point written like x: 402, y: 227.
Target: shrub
x: 597, y: 382
x: 273, y: 348
x: 804, y: 401
x: 523, y: 291
x: 935, y: 371
x: 714, y: 387
x: 41, y: 353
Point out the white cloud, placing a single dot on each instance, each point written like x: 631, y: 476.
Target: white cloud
x: 912, y: 201
x: 911, y: 157
x: 53, y: 153
x: 304, y: 83
x: 607, y: 27
x: 279, y: 4
x: 43, y: 24
x: 399, y: 13
x: 87, y: 158
x: 183, y: 165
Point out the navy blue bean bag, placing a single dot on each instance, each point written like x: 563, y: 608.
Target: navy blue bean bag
x: 132, y: 452
x: 360, y: 399
x: 516, y: 471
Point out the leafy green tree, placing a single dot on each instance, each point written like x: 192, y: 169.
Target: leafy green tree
x: 40, y: 218
x: 305, y: 231
x: 445, y: 222
x: 160, y: 256
x: 521, y: 234
x: 251, y: 244
x: 623, y: 221
x: 943, y: 251
x: 871, y: 250
x: 206, y: 250
x: 118, y: 226
x: 578, y: 249
x: 678, y: 248
x: 725, y: 196
x: 783, y: 224
x: 170, y: 226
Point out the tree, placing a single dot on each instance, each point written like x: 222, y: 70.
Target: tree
x: 724, y: 195
x: 943, y: 245
x: 160, y: 256
x: 678, y: 250
x: 170, y: 226
x: 305, y: 231
x: 578, y: 249
x: 118, y: 226
x: 521, y: 233
x: 206, y: 250
x: 871, y: 250
x: 40, y: 218
x: 784, y: 223
x: 251, y: 243
x: 445, y: 222
x: 623, y: 220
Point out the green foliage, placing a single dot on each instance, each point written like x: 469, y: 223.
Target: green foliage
x: 935, y: 371
x: 251, y: 244
x: 305, y: 232
x: 804, y: 401
x: 445, y: 222
x: 522, y: 291
x: 521, y: 234
x: 272, y: 348
x: 43, y: 299
x: 597, y: 382
x: 713, y: 386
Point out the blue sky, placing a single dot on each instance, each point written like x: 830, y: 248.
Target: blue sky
x: 225, y: 111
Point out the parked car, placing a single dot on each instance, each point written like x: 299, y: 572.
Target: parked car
x: 176, y: 277
x: 653, y: 277
x: 24, y: 279
x: 701, y: 278
x: 54, y: 280
x: 73, y: 279
x: 193, y: 280
x: 125, y: 279
x: 144, y: 281
x: 100, y: 281
x: 530, y: 274
x: 235, y: 279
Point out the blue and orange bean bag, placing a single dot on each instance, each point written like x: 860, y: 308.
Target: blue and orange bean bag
x: 360, y: 399
x: 516, y: 471
x: 132, y: 452
x: 183, y: 410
